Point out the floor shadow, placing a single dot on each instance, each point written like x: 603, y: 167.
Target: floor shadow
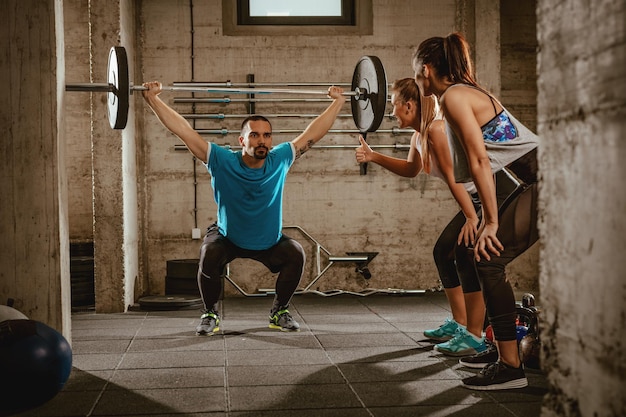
x: 87, y: 394
x: 385, y: 393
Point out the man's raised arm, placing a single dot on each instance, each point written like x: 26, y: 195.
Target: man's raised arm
x: 174, y: 122
x: 321, y: 124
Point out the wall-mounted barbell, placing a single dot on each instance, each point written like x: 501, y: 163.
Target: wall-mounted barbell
x: 368, y: 94
x: 394, y: 131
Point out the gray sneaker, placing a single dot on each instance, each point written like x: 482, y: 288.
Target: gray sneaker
x: 282, y: 320
x: 209, y: 323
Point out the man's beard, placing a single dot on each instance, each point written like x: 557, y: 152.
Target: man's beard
x: 258, y: 155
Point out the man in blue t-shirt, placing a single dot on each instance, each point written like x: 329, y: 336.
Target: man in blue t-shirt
x: 248, y: 190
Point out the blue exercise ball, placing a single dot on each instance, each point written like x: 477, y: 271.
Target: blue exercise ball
x: 35, y: 364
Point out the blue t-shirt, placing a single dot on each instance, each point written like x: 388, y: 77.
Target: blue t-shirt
x: 249, y: 200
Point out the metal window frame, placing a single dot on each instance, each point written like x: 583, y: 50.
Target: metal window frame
x: 363, y: 24
x: 347, y: 18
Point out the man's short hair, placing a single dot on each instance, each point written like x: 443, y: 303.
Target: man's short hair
x: 253, y: 118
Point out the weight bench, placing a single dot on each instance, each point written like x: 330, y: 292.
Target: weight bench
x: 360, y: 259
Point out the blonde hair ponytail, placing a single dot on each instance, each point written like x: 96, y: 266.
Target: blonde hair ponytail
x: 429, y: 107
x: 407, y: 89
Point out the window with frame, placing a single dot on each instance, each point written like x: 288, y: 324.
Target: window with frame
x: 296, y: 12
x: 297, y: 17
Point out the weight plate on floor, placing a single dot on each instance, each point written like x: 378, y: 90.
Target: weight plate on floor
x: 169, y: 302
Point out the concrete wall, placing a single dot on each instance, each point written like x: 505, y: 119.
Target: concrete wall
x: 518, y: 92
x: 582, y: 108
x: 325, y: 195
x: 34, y: 249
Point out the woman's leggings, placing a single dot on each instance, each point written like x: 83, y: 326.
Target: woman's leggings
x: 454, y: 264
x: 286, y: 258
x: 517, y: 232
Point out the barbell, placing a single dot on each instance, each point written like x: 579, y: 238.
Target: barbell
x: 368, y: 94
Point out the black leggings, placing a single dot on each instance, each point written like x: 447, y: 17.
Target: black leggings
x: 454, y: 263
x: 286, y: 258
x: 517, y: 232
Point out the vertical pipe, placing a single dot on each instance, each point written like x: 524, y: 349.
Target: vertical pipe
x: 251, y: 105
x: 193, y: 111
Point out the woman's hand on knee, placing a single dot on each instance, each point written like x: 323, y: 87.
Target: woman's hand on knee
x: 488, y: 243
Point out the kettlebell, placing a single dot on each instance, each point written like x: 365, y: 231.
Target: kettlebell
x: 530, y: 345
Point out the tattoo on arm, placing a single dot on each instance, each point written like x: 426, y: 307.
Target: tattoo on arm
x: 305, y: 148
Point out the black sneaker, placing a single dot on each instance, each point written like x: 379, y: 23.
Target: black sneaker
x: 482, y: 359
x: 496, y: 376
x: 282, y: 320
x: 209, y: 324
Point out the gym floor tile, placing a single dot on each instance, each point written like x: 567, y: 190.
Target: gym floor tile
x: 353, y: 357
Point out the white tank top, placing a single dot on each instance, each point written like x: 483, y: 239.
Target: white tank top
x: 435, y: 170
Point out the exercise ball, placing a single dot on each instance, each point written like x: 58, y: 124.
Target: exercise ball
x: 9, y: 313
x: 35, y: 364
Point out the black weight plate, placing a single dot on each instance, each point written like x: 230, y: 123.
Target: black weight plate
x: 175, y: 286
x: 182, y: 268
x: 169, y: 302
x: 368, y: 110
x: 118, y: 99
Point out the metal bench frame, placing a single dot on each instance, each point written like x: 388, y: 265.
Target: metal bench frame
x: 360, y: 259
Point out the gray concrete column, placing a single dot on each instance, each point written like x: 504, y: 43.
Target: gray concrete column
x: 487, y: 45
x: 582, y: 123
x: 34, y: 248
x: 114, y: 168
x: 114, y: 174
x: 131, y: 165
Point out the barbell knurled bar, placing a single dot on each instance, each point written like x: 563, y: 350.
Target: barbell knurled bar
x: 220, y: 116
x: 394, y: 131
x: 357, y: 93
x: 111, y: 88
x: 394, y: 146
x: 255, y: 84
x: 227, y: 100
x: 369, y: 91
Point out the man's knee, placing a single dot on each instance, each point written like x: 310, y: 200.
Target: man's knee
x: 293, y: 251
x: 212, y: 257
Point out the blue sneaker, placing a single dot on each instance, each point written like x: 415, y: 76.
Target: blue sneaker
x: 462, y: 344
x: 444, y: 332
